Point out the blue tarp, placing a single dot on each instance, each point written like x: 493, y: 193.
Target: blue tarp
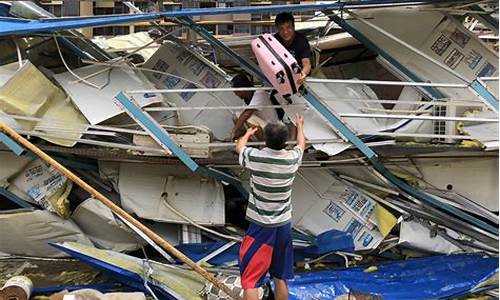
x: 18, y: 27
x: 326, y: 242
x: 436, y: 277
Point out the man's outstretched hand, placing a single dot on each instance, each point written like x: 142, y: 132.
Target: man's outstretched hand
x: 242, y: 142
x: 299, y: 122
x: 302, y: 78
x: 251, y: 131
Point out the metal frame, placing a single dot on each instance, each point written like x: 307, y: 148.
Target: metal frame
x: 347, y: 133
x: 431, y: 92
x: 15, y: 199
x: 161, y: 136
x: 11, y: 144
x: 18, y: 27
x: 476, y: 85
x: 490, y: 100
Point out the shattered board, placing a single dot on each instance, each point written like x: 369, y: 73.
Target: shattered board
x: 141, y: 190
x: 114, y: 80
x: 179, y: 61
x: 415, y: 235
x: 321, y: 203
x: 105, y: 230
x: 29, y: 93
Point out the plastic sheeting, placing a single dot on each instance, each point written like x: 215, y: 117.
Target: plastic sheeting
x: 166, y: 281
x: 101, y: 226
x: 27, y: 233
x: 329, y: 241
x: 29, y: 93
x: 435, y: 277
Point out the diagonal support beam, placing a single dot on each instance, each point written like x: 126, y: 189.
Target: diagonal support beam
x: 11, y: 144
x: 485, y: 94
x: 432, y: 92
x: 247, y: 65
x: 161, y: 136
x: 341, y: 128
x: 15, y: 199
x: 373, y: 158
x: 117, y: 210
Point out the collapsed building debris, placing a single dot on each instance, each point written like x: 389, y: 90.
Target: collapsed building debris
x: 402, y: 158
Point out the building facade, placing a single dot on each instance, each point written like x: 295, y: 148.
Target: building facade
x: 220, y: 25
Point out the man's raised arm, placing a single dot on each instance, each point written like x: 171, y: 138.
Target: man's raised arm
x: 242, y: 142
x: 301, y: 140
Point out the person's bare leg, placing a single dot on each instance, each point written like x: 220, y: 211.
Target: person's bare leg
x: 281, y: 290
x: 251, y: 294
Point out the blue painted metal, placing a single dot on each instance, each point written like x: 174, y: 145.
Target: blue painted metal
x: 164, y: 140
x: 20, y: 27
x: 247, y: 65
x: 485, y: 94
x: 15, y: 199
x: 11, y: 144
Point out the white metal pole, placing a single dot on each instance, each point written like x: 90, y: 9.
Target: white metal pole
x: 409, y: 117
x: 198, y: 90
x: 383, y: 82
x: 241, y: 107
x: 419, y: 135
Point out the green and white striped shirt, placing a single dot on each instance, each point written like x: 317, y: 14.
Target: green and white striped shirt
x: 271, y: 179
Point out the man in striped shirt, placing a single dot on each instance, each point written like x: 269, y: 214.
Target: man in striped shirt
x: 267, y: 245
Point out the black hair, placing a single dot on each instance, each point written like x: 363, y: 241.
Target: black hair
x: 276, y: 134
x: 241, y: 80
x: 284, y: 17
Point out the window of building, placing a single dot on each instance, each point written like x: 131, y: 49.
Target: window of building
x: 111, y: 30
x: 256, y: 29
x: 267, y: 28
x: 56, y: 10
x: 210, y: 28
x: 237, y: 3
x: 207, y: 4
x: 242, y: 28
x: 103, y: 11
x: 225, y: 29
x: 141, y: 28
x: 172, y: 7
